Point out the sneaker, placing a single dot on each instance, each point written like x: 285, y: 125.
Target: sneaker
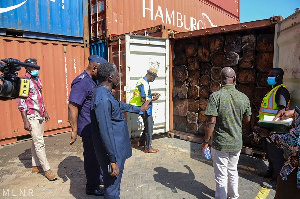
x: 37, y: 169
x: 269, y: 185
x: 50, y: 175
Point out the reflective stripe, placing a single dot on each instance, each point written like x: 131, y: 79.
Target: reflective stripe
x: 266, y: 110
x: 135, y: 93
x: 271, y: 100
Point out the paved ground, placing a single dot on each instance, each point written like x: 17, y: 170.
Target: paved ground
x: 178, y: 171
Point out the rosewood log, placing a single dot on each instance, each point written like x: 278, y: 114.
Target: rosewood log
x: 180, y: 73
x: 191, y: 50
x: 180, y: 123
x: 193, y: 92
x: 233, y: 43
x: 265, y: 43
x: 192, y: 117
x: 203, y: 103
x: 214, y: 86
x: 264, y: 62
x: 192, y: 128
x: 193, y: 64
x: 180, y: 59
x: 204, y: 80
x: 194, y: 77
x: 205, y: 68
x: 247, y: 89
x: 203, y: 54
x: 180, y: 91
x: 216, y: 73
x: 204, y: 92
x: 246, y: 76
x: 193, y: 105
x: 248, y: 42
x: 216, y: 43
x: 180, y: 106
x: 261, y: 79
x: 248, y: 59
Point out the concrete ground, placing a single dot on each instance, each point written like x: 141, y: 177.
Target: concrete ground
x: 178, y: 171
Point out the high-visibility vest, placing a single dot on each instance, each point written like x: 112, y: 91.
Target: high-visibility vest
x: 269, y: 106
x: 136, y: 99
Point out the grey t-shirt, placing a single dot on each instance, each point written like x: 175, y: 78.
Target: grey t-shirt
x: 282, y: 97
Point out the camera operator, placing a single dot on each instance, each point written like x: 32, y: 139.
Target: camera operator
x: 34, y: 115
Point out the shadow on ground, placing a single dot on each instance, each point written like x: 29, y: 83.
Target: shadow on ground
x: 184, y: 181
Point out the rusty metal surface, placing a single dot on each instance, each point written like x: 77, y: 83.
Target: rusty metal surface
x: 230, y: 28
x: 60, y: 63
x: 113, y: 17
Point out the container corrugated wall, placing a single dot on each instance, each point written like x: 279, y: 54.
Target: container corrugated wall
x: 42, y: 16
x: 99, y: 48
x: 113, y: 17
x: 60, y: 63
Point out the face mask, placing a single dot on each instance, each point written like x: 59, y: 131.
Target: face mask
x: 271, y: 81
x: 34, y: 73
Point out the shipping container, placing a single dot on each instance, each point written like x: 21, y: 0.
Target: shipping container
x: 133, y: 55
x: 60, y: 63
x: 113, y: 17
x: 197, y: 59
x: 48, y: 19
x: 99, y: 48
x: 287, y: 54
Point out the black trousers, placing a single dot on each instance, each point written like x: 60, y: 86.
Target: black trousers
x: 148, y: 130
x: 93, y: 172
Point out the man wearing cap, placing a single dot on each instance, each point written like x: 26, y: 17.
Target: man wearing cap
x: 34, y: 115
x: 82, y: 89
x: 141, y: 94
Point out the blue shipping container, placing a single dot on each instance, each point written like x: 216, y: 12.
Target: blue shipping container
x: 99, y: 48
x: 58, y: 18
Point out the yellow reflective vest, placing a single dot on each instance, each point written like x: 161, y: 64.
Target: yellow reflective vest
x: 136, y: 99
x: 269, y: 106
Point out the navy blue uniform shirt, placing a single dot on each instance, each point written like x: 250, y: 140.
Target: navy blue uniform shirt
x: 81, y: 93
x: 109, y: 126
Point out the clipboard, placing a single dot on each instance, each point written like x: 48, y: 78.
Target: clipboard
x: 277, y: 126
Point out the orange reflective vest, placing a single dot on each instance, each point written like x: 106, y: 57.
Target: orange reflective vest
x: 269, y: 106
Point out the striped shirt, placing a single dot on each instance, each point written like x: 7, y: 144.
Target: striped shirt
x: 34, y: 103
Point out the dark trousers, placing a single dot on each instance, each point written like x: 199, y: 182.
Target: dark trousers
x: 93, y: 172
x: 275, y: 158
x: 287, y: 188
x: 111, y: 184
x: 148, y: 130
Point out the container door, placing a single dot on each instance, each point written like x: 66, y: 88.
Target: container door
x: 287, y: 53
x: 141, y: 52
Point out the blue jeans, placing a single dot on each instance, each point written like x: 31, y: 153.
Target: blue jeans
x: 148, y: 130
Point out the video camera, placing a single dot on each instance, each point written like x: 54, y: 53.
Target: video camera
x: 13, y: 86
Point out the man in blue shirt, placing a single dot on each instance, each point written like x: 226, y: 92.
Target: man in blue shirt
x: 82, y: 89
x: 141, y: 94
x: 109, y: 129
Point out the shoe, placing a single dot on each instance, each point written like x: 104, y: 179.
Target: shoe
x: 50, y: 175
x: 96, y: 192
x: 269, y: 185
x: 151, y: 150
x: 141, y: 143
x: 37, y: 169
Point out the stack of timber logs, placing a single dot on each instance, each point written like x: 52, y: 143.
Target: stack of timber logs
x: 196, y: 73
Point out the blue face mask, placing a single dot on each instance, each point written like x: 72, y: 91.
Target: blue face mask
x: 34, y: 73
x: 271, y: 81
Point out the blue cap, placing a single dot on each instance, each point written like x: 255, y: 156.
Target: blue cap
x: 96, y: 58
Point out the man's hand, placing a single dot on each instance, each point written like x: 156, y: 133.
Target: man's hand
x: 146, y: 105
x: 203, y: 146
x: 283, y: 115
x: 73, y: 137
x: 155, y: 96
x: 27, y: 126
x: 115, y: 169
x: 47, y: 118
